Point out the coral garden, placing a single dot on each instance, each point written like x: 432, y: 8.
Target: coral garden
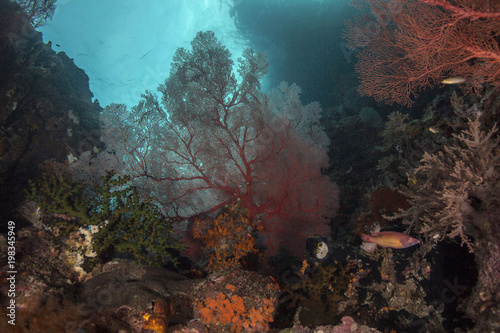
x: 204, y: 221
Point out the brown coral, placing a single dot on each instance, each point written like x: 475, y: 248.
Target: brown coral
x: 454, y: 187
x: 456, y: 194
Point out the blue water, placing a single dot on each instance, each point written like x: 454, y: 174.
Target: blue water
x: 126, y: 46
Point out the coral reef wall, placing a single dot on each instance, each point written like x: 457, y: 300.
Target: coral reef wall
x: 46, y: 108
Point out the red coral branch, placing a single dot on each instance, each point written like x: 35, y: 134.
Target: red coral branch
x: 466, y: 8
x: 411, y: 45
x: 212, y: 140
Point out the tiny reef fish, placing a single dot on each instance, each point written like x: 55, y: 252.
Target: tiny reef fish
x: 433, y: 130
x: 453, y: 80
x: 392, y: 239
x: 412, y: 178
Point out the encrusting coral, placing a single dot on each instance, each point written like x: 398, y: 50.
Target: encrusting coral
x: 236, y: 302
x: 232, y: 311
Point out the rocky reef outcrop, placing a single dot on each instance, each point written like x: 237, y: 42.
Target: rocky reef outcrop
x: 46, y: 108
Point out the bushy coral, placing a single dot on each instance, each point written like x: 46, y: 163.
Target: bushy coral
x: 394, y: 130
x: 228, y: 238
x: 456, y: 194
x: 454, y: 187
x: 57, y: 194
x: 119, y: 221
x: 131, y: 225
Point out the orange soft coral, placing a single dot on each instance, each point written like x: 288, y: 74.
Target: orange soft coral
x: 230, y: 314
x: 229, y: 237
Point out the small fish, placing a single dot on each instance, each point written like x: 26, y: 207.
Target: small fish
x: 412, y: 178
x: 392, y: 239
x: 453, y: 80
x: 433, y: 130
x: 438, y: 236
